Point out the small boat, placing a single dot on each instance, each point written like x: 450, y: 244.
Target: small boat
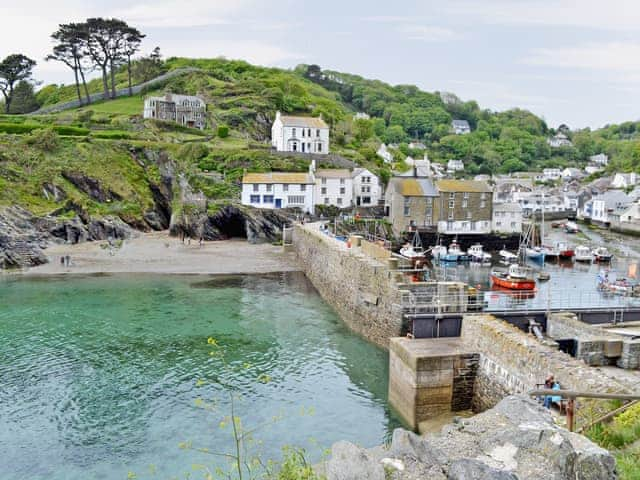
x: 413, y: 251
x: 564, y: 250
x: 507, y: 256
x: 571, y: 227
x: 543, y: 275
x: 601, y: 254
x: 454, y: 253
x: 535, y: 253
x: 557, y: 224
x: 518, y: 277
x: 477, y: 254
x: 583, y: 254
x: 438, y: 251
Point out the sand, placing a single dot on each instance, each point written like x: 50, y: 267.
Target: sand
x: 160, y: 253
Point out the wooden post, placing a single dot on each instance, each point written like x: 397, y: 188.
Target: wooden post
x: 570, y: 413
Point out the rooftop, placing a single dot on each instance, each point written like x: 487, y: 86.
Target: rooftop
x: 278, y: 177
x: 462, y: 186
x: 333, y: 173
x: 307, y: 122
x: 415, y: 187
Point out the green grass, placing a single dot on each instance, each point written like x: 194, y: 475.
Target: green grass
x: 122, y: 106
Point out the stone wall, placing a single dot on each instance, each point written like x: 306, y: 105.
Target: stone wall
x: 512, y: 361
x: 360, y: 288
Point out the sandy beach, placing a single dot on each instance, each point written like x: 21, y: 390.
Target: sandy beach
x: 160, y: 253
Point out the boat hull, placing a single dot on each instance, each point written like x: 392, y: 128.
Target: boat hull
x: 513, y: 283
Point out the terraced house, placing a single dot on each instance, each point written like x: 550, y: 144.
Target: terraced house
x: 464, y: 206
x: 411, y: 203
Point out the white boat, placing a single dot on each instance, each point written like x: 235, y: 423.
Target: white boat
x: 413, y: 251
x: 477, y: 254
x: 601, y: 254
x: 454, y: 254
x: 507, y: 256
x: 583, y: 254
x: 438, y: 251
x: 535, y: 253
x: 571, y: 227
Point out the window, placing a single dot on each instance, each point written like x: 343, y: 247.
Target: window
x: 295, y: 199
x: 342, y: 181
x: 452, y: 196
x: 465, y: 225
x: 498, y: 223
x: 318, y: 133
x: 319, y: 147
x: 323, y: 190
x: 465, y: 203
x: 450, y: 215
x: 342, y: 190
x: 452, y: 204
x: 267, y: 199
x: 428, y: 220
x: 255, y: 199
x: 302, y: 147
x: 513, y: 224
x: 326, y: 200
x: 468, y: 215
x: 303, y: 132
x: 285, y: 188
x: 339, y: 201
x: 407, y: 207
x: 366, y: 200
x: 429, y: 201
x: 293, y: 132
x: 465, y: 195
x: 269, y: 187
x: 428, y: 211
x: 303, y: 187
x: 324, y: 181
x: 449, y: 225
x: 366, y: 189
x: 483, y: 196
x: 483, y: 204
x: 308, y: 132
x: 256, y: 187
x: 295, y: 147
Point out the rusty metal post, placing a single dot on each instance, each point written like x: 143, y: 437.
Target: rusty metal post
x: 570, y: 413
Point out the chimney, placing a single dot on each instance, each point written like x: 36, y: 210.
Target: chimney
x: 278, y: 115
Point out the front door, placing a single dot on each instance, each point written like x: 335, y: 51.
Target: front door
x: 278, y: 203
x: 358, y: 201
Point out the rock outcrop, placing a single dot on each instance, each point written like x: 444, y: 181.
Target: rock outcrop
x: 516, y: 440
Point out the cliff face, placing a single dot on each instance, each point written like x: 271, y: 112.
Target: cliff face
x: 516, y: 440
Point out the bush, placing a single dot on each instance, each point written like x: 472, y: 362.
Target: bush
x: 111, y: 135
x: 71, y: 131
x: 223, y: 131
x: 46, y: 139
x: 17, y: 128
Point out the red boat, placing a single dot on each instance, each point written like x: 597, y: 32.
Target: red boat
x: 515, y: 279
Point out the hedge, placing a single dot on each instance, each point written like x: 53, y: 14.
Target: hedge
x: 18, y: 128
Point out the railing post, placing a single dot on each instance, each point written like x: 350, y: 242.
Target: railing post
x: 570, y: 413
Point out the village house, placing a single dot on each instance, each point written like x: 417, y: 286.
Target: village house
x: 418, y: 168
x: 551, y: 174
x: 460, y: 127
x: 367, y: 188
x: 300, y: 134
x: 385, y: 154
x: 624, y: 180
x: 186, y: 110
x: 591, y: 169
x: 534, y: 202
x: 601, y: 208
x: 411, y: 203
x: 465, y: 206
x: 417, y: 145
x: 508, y: 190
x: 571, y: 201
x: 279, y: 190
x: 571, y: 173
x: 507, y: 218
x: 455, y: 166
x: 361, y: 116
x: 599, y: 159
x: 333, y: 187
x: 559, y: 140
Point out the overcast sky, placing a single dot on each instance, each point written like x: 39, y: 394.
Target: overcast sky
x: 570, y: 61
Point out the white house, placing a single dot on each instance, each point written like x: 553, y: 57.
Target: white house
x: 300, y: 134
x: 601, y: 207
x: 571, y: 173
x: 507, y: 218
x: 417, y: 145
x: 534, y: 202
x: 455, y: 166
x: 571, y: 201
x: 361, y: 116
x: 460, y: 127
x: 559, y: 140
x: 551, y: 174
x: 599, y: 159
x: 278, y: 190
x: 186, y: 110
x: 367, y: 189
x: 333, y: 187
x: 624, y: 180
x: 385, y: 154
x: 591, y: 169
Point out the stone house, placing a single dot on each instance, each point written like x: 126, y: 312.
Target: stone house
x: 186, y: 110
x: 507, y: 218
x: 599, y: 159
x: 300, y: 134
x: 465, y: 206
x: 460, y: 127
x: 411, y: 203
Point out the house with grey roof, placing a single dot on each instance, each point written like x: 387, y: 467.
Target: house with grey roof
x: 186, y: 110
x: 507, y: 218
x: 602, y: 208
x: 411, y: 203
x: 460, y: 127
x: 300, y: 134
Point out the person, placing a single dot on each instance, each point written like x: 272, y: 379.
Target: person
x: 201, y: 241
x: 548, y: 385
x: 550, y: 399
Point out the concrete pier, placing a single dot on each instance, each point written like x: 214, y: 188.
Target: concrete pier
x: 430, y: 377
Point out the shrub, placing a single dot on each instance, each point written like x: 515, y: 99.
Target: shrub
x: 17, y: 128
x: 223, y: 131
x: 71, y: 131
x: 46, y: 139
x: 111, y: 135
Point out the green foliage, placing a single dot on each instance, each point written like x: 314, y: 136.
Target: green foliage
x: 223, y: 131
x: 24, y: 99
x: 45, y: 139
x: 295, y: 467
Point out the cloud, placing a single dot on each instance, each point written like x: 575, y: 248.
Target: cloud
x: 618, y: 15
x: 427, y: 33
x: 610, y: 57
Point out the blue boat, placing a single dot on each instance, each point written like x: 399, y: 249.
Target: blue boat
x: 454, y: 254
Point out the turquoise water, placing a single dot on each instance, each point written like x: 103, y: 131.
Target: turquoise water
x: 99, y: 374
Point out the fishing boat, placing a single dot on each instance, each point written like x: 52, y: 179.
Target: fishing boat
x: 454, y: 253
x: 413, y: 251
x: 477, y: 254
x: 571, y: 227
x: 601, y: 254
x: 583, y: 254
x: 535, y: 253
x: 518, y: 277
x: 543, y: 275
x: 507, y: 257
x: 556, y: 224
x: 564, y: 250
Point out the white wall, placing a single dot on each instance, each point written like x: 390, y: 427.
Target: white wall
x: 371, y: 184
x: 337, y: 191
x: 464, y: 226
x: 283, y: 192
x: 506, y: 221
x: 290, y: 139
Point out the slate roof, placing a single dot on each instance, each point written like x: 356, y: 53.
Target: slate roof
x: 278, y: 177
x: 462, y: 186
x: 333, y: 173
x: 414, y: 187
x: 460, y: 124
x: 307, y: 122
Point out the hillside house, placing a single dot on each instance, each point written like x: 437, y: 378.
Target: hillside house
x: 460, y: 127
x: 454, y: 166
x: 361, y: 116
x: 559, y: 140
x: 465, y: 206
x: 417, y: 168
x: 508, y: 190
x: 385, y: 154
x: 624, y: 180
x: 186, y: 110
x: 602, y: 207
x: 551, y: 174
x: 571, y: 173
x: 591, y: 169
x: 279, y: 190
x: 599, y: 159
x: 507, y: 218
x: 333, y: 187
x: 417, y: 145
x: 367, y: 188
x: 300, y: 134
x: 411, y: 203
x: 535, y: 201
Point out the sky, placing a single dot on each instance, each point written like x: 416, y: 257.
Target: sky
x: 569, y: 61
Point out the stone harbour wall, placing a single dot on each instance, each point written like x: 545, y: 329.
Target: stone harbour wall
x: 360, y: 288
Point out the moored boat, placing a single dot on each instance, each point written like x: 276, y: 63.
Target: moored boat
x: 507, y: 256
x: 454, y: 253
x: 535, y: 253
x: 517, y: 277
x: 413, y: 251
x: 583, y: 254
x: 564, y: 250
x: 477, y: 254
x: 571, y: 227
x: 601, y: 254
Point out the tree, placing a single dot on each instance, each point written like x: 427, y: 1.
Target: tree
x: 70, y: 49
x: 13, y: 69
x: 132, y: 40
x: 24, y: 98
x: 146, y: 68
